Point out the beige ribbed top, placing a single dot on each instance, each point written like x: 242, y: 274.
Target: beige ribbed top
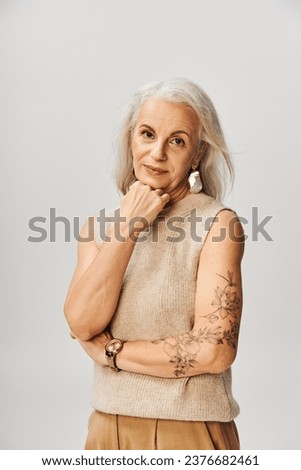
x: 157, y: 300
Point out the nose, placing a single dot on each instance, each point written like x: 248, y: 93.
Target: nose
x: 158, y: 151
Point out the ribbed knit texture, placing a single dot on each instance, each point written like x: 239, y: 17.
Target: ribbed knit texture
x: 157, y: 300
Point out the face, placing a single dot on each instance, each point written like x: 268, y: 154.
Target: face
x: 164, y: 145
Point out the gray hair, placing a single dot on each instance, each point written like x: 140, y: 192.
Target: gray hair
x: 215, y: 166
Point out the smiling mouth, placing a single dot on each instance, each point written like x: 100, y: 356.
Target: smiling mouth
x: 155, y: 170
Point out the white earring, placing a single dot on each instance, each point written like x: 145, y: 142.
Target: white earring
x: 195, y: 182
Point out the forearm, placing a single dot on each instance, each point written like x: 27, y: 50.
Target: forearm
x: 92, y: 301
x: 193, y: 353
x: 149, y: 358
x: 206, y: 350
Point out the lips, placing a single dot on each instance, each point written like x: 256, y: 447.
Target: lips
x: 155, y: 169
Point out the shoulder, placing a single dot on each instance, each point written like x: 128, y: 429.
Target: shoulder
x: 225, y: 233
x: 204, y: 205
x: 217, y: 216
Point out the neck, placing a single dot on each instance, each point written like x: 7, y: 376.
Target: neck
x: 178, y: 194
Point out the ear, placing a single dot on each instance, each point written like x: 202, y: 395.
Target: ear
x: 201, y: 152
x: 194, y: 165
x: 203, y: 148
x: 196, y: 161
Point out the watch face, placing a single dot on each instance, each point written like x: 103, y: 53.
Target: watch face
x: 113, y: 346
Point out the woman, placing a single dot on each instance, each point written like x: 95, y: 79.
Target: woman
x: 156, y: 301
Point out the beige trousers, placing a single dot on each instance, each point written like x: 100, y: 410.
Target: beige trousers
x: 115, y: 432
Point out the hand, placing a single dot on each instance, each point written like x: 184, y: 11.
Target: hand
x: 141, y: 205
x: 95, y: 347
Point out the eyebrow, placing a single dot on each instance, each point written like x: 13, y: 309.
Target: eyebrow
x: 173, y: 133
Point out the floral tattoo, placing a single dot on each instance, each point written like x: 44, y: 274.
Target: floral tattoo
x: 226, y: 301
x: 183, y: 349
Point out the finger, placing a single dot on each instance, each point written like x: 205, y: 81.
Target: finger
x: 159, y: 191
x: 165, y: 198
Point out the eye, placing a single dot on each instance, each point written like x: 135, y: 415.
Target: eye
x: 178, y: 142
x: 148, y: 134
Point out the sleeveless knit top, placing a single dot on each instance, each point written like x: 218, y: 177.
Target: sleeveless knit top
x: 157, y: 300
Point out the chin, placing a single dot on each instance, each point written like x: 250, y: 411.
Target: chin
x: 153, y: 182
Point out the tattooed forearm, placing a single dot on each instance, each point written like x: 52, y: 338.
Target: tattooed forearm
x: 226, y: 301
x: 183, y: 349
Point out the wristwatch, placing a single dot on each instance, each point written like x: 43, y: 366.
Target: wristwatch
x: 112, y: 348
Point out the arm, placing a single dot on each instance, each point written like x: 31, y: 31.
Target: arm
x: 96, y: 284
x: 211, y: 346
x: 95, y: 287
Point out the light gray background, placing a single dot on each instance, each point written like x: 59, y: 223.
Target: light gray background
x: 67, y: 69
